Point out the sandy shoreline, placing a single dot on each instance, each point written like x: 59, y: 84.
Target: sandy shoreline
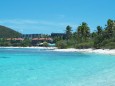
x: 48, y: 48
x: 98, y: 51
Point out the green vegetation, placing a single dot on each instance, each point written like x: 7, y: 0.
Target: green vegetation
x: 45, y: 44
x: 3, y: 42
x: 10, y: 37
x: 6, y: 32
x: 103, y: 38
x: 25, y: 43
x: 61, y: 44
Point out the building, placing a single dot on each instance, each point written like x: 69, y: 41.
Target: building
x: 36, y: 41
x: 31, y: 35
x: 15, y: 39
x: 62, y: 35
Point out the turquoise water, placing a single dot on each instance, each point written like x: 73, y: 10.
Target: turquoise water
x: 34, y: 67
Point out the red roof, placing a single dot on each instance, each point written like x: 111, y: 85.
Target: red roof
x: 43, y: 39
x: 17, y: 39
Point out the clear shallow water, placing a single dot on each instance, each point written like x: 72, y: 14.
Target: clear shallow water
x: 34, y: 67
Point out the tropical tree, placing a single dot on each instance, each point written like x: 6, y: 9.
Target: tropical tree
x: 99, y: 30
x: 45, y: 44
x: 83, y: 32
x: 61, y: 44
x: 26, y: 43
x: 93, y: 35
x: 110, y: 27
x: 68, y: 32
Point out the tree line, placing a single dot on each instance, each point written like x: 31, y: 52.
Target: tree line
x: 83, y: 38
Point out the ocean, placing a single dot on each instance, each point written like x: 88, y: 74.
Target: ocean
x: 38, y: 67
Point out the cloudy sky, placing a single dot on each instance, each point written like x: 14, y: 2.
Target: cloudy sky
x: 47, y: 16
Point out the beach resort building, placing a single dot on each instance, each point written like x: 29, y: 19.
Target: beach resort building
x: 61, y: 35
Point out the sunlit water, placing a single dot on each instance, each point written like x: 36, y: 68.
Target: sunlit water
x: 34, y: 67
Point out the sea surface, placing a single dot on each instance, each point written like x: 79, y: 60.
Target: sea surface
x: 35, y: 67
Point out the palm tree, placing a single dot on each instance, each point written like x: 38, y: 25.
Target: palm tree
x: 68, y: 32
x: 83, y: 31
x: 110, y: 27
x: 79, y: 34
x: 86, y: 30
x: 99, y: 30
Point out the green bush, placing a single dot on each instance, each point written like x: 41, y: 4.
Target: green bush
x: 71, y: 43
x: 110, y: 45
x: 84, y: 45
x: 61, y: 44
x: 45, y: 44
x: 98, y: 41
x: 25, y: 43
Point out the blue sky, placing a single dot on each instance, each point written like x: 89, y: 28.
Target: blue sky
x: 47, y: 16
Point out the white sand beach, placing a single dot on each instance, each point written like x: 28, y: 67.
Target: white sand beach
x: 98, y: 51
x: 34, y: 47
